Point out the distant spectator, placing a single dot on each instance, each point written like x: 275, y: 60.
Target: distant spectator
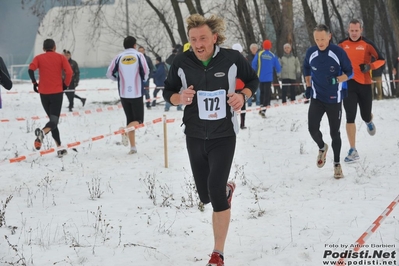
x: 74, y: 83
x: 395, y: 71
x: 264, y: 63
x: 290, y: 71
x: 147, y: 83
x: 177, y: 49
x: 376, y: 76
x: 159, y: 77
x: 253, y: 48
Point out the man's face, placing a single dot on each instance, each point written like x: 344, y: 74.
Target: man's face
x: 322, y: 39
x: 254, y: 49
x: 202, y: 42
x: 355, y: 31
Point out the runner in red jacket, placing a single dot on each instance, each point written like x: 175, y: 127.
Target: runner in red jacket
x: 51, y: 88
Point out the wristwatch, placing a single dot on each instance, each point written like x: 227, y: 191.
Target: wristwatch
x: 245, y: 96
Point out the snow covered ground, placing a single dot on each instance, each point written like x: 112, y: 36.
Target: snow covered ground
x: 101, y: 206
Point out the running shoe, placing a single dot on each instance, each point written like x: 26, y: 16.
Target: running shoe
x: 62, y: 153
x: 371, y: 128
x: 352, y: 156
x: 39, y: 138
x: 321, y: 157
x: 338, y: 171
x: 216, y: 260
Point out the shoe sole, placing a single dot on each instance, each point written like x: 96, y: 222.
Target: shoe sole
x: 351, y: 160
x: 338, y: 176
x: 320, y: 163
x: 371, y: 132
x: 39, y: 139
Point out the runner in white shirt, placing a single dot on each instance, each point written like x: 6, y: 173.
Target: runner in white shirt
x: 130, y: 69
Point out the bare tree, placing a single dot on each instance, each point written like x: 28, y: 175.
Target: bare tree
x: 287, y: 31
x: 244, y: 19
x: 367, y: 8
x: 339, y: 18
x: 259, y: 21
x: 326, y: 14
x: 388, y: 38
x: 310, y: 20
x: 393, y: 10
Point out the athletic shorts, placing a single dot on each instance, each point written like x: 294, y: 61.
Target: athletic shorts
x: 358, y: 94
x: 134, y: 109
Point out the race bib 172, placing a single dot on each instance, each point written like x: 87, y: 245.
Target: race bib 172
x: 212, y: 104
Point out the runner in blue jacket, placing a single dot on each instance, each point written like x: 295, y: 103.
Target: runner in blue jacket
x: 327, y: 68
x: 264, y: 63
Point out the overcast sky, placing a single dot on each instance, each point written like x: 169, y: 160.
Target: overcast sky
x: 17, y: 30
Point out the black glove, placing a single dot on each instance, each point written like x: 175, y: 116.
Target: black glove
x: 64, y: 87
x: 332, y: 80
x: 35, y: 87
x: 364, y: 68
x: 308, y: 92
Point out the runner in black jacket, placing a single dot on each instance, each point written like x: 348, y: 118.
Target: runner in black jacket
x: 5, y: 80
x: 203, y: 79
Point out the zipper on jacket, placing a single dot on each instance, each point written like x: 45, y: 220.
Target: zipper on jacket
x: 206, y: 121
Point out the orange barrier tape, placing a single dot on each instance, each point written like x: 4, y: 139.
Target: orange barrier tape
x: 75, y: 90
x: 119, y: 106
x: 374, y: 226
x: 301, y: 83
x: 78, y: 143
x: 75, y: 113
x: 274, y: 105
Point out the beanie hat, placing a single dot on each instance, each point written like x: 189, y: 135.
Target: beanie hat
x: 267, y: 45
x: 186, y: 46
x: 237, y: 47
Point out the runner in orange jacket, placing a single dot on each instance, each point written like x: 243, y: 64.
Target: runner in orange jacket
x: 360, y: 50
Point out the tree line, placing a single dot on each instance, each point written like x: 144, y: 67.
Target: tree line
x: 160, y: 24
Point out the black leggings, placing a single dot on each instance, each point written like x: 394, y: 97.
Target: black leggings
x: 71, y: 95
x: 211, y: 163
x: 52, y: 104
x: 285, y: 88
x: 334, y: 114
x: 265, y: 93
x: 358, y: 94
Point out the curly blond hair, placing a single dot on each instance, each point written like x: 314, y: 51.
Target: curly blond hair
x: 215, y: 23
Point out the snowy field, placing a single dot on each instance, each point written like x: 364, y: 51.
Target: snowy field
x: 100, y: 206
